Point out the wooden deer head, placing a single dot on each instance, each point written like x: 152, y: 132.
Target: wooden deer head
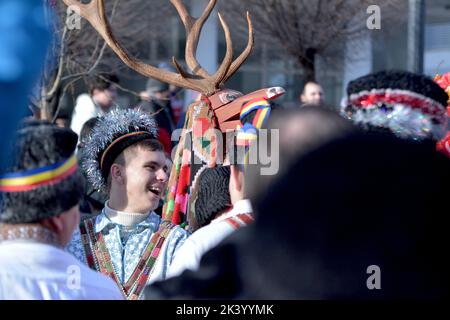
x: 218, y: 108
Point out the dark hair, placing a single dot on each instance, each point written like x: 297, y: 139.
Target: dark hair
x: 86, y: 130
x: 102, y: 82
x: 327, y: 125
x: 213, y: 194
x: 148, y: 144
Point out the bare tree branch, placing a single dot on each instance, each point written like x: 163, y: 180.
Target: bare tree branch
x: 306, y: 29
x: 82, y: 53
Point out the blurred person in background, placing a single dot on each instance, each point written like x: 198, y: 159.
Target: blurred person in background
x: 101, y: 98
x: 312, y: 94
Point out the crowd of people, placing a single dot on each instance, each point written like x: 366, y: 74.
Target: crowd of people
x: 363, y: 186
x: 111, y: 208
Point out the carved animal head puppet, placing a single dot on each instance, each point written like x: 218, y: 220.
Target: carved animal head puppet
x: 207, y: 121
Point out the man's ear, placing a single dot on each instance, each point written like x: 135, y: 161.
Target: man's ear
x: 236, y: 177
x: 117, y: 173
x: 54, y: 223
x: 301, y: 97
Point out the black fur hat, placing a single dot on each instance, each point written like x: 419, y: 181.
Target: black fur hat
x: 409, y: 105
x: 213, y: 194
x: 42, y: 179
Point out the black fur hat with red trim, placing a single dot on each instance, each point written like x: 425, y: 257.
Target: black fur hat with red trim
x: 408, y: 104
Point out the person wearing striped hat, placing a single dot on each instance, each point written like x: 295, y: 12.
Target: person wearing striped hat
x: 40, y: 191
x: 128, y: 241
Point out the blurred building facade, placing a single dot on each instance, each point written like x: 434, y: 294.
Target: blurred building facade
x: 375, y: 50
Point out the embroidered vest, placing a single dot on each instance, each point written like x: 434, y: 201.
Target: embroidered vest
x: 99, y: 259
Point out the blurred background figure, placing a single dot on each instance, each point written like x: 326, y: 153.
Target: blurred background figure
x: 101, y: 98
x: 312, y: 94
x: 164, y: 102
x: 176, y: 101
x: 21, y: 59
x: 157, y: 102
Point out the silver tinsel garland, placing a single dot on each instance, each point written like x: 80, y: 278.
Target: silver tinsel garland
x: 114, y: 124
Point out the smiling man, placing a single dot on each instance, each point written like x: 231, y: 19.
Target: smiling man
x: 128, y: 241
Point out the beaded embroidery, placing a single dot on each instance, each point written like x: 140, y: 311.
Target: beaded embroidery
x: 32, y: 232
x: 99, y: 259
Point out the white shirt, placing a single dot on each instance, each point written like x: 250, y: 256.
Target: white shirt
x: 37, y: 271
x: 206, y: 238
x: 85, y: 109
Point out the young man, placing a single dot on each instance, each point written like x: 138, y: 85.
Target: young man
x: 101, y: 98
x: 40, y: 192
x: 127, y: 241
x: 219, y: 207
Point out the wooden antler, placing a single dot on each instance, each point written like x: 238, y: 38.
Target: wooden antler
x: 193, y: 28
x: 244, y: 55
x: 200, y: 80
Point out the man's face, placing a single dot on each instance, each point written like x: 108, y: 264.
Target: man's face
x: 105, y: 98
x: 313, y: 94
x: 145, y: 179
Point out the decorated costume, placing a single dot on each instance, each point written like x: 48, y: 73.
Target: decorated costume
x: 212, y: 215
x: 133, y: 249
x: 43, y: 182
x: 208, y: 120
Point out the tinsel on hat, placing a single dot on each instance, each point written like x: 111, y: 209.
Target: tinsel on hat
x: 114, y: 132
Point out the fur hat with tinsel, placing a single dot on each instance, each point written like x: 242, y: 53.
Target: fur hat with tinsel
x: 113, y: 133
x: 408, y: 104
x: 42, y: 179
